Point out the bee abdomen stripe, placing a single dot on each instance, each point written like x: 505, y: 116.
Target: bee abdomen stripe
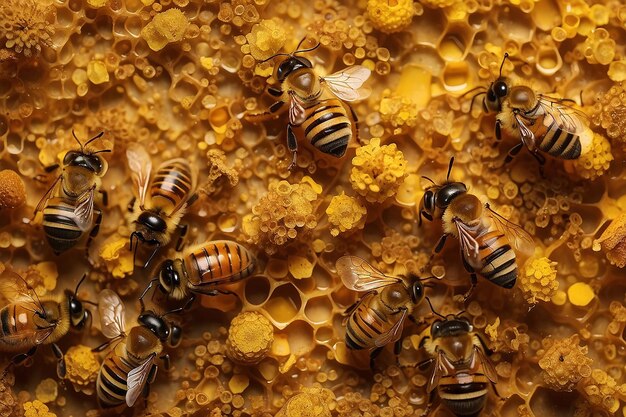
x: 497, y: 253
x: 318, y: 121
x: 326, y: 135
x: 4, y: 317
x: 322, y: 109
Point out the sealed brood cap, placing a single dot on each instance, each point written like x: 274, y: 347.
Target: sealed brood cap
x: 12, y: 189
x: 250, y: 338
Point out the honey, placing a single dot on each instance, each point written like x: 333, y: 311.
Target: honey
x: 179, y: 77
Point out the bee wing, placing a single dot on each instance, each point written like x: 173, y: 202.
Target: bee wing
x: 83, y: 211
x: 518, y: 237
x: 30, y: 337
x: 15, y: 289
x: 394, y: 333
x: 346, y: 84
x: 442, y: 364
x: 296, y: 110
x: 112, y: 317
x: 47, y: 195
x: 487, y: 366
x: 527, y: 136
x: 140, y: 165
x: 41, y: 335
x: 358, y: 275
x: 137, y: 379
x: 567, y: 116
x: 469, y: 245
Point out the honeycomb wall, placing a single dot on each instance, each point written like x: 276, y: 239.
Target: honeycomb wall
x: 179, y: 75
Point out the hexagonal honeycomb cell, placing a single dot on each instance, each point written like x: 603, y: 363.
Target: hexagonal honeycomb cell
x: 181, y: 77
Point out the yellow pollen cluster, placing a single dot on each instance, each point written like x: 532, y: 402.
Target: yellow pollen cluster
x: 47, y: 390
x: 117, y: 257
x: 12, y: 190
x: 390, y: 15
x: 250, y: 338
x: 613, y: 242
x: 563, y: 362
x: 166, y: 27
x: 8, y: 403
x: 609, y: 112
x: 538, y: 280
x: 37, y: 409
x: 266, y: 38
x: 378, y: 171
x: 310, y: 402
x: 439, y: 3
x: 82, y: 368
x: 398, y: 110
x: 26, y: 27
x: 345, y: 214
x: 285, y: 212
x: 595, y: 162
x: 602, y: 391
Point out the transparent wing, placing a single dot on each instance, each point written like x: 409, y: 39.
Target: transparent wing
x: 487, y: 366
x: 40, y: 335
x: 518, y: 237
x: 140, y: 165
x: 296, y: 110
x: 358, y: 275
x: 564, y: 113
x: 48, y: 194
x: 29, y: 338
x: 394, y: 333
x: 83, y: 211
x: 439, y: 370
x: 137, y: 379
x: 15, y: 289
x: 112, y: 317
x: 469, y: 244
x: 347, y: 83
x: 527, y: 136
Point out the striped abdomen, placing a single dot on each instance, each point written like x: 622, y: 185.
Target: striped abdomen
x: 553, y: 140
x: 464, y: 394
x: 496, y: 259
x: 59, y: 224
x: 219, y: 262
x: 111, y: 385
x: 367, y: 323
x: 171, y: 185
x: 327, y: 127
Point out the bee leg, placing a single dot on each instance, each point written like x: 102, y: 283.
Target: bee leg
x: 397, y: 348
x: 58, y: 353
x: 18, y: 360
x: 276, y: 92
x: 131, y: 204
x: 374, y: 355
x: 182, y: 232
x: 105, y: 198
x: 469, y: 292
x: 425, y: 364
x: 513, y: 152
x: 292, y: 144
x: 439, y: 247
x: 143, y: 294
x: 542, y: 161
x: 94, y: 231
x: 149, y: 381
x: 166, y: 362
x: 431, y: 400
x: 498, y: 132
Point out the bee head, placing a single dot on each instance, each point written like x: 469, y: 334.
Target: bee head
x: 289, y: 65
x: 437, y: 198
x: 152, y: 222
x: 496, y: 93
x: 90, y: 161
x: 79, y: 315
x: 450, y: 327
x: 416, y: 290
x: 156, y: 324
x: 169, y: 277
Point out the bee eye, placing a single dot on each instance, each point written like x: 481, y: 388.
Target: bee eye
x: 69, y: 157
x: 501, y: 90
x: 418, y: 291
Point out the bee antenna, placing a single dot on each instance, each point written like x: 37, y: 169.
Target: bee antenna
x: 78, y: 285
x: 506, y: 55
x: 77, y: 140
x: 474, y: 98
x: 450, y: 168
x: 432, y: 309
x: 89, y: 302
x: 307, y: 50
x: 102, y: 151
x: 98, y: 136
x: 274, y: 56
x: 428, y: 179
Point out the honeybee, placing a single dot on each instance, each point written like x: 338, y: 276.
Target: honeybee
x: 377, y: 319
x: 130, y: 367
x: 486, y: 238
x: 162, y: 200
x: 325, y: 121
x: 203, y: 269
x: 29, y: 321
x: 543, y: 123
x: 461, y: 370
x: 68, y: 205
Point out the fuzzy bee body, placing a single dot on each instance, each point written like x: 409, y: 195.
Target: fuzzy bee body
x: 461, y: 372
x: 327, y: 127
x: 112, y: 381
x: 377, y: 319
x: 162, y: 201
x: 203, y: 269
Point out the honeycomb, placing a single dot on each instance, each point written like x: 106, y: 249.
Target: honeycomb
x: 178, y: 76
